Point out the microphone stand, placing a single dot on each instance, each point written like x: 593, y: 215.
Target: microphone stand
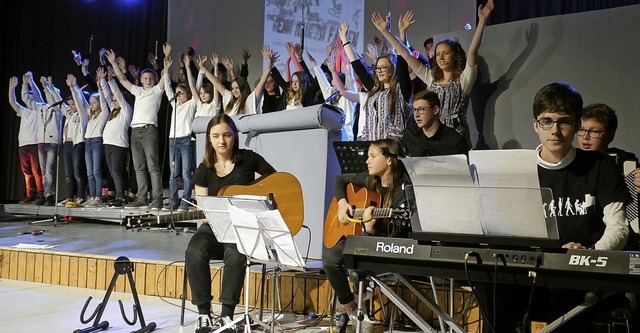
x: 56, y: 217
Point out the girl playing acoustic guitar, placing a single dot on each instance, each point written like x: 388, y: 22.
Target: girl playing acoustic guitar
x: 387, y: 176
x: 224, y: 164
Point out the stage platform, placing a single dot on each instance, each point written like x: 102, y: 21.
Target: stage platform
x: 81, y: 254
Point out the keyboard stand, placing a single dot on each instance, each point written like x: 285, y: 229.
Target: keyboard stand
x: 409, y: 311
x: 590, y: 299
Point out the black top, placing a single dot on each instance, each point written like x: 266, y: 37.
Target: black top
x: 384, y: 227
x: 310, y: 96
x: 581, y: 190
x: 243, y: 173
x: 446, y: 141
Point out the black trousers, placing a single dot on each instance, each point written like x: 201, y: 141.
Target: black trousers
x: 204, y: 247
x: 333, y: 263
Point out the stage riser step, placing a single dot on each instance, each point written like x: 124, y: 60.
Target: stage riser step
x: 299, y: 292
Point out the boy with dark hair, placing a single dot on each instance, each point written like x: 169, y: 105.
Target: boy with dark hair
x: 428, y: 136
x: 588, y: 203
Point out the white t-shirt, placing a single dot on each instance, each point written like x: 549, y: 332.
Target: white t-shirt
x: 146, y: 106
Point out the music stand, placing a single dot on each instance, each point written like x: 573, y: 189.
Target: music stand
x: 265, y: 239
x: 352, y: 155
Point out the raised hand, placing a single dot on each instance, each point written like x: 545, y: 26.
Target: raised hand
x: 100, y: 73
x: 43, y: 81
x: 405, y: 21
x: 214, y: 60
x: 331, y: 62
x: 485, y: 11
x: 77, y: 57
x: 166, y: 49
x: 133, y: 70
x: 245, y: 55
x: 25, y: 78
x: 372, y: 52
x: 344, y: 30
x: 152, y: 60
x: 228, y: 63
x: 381, y: 24
x: 201, y: 61
x: 71, y: 80
x: 13, y: 82
x: 167, y: 62
x: 111, y: 56
x: 122, y: 64
x: 291, y: 49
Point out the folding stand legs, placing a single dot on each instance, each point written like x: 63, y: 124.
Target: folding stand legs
x: 122, y: 266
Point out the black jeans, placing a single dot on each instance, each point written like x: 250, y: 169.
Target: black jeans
x: 204, y: 247
x: 333, y: 263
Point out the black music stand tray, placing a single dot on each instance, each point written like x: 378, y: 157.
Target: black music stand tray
x: 122, y: 266
x: 352, y: 155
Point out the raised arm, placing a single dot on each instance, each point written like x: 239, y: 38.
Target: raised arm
x: 270, y: 58
x: 244, y: 69
x: 293, y: 54
x: 37, y: 95
x: 229, y: 65
x: 214, y: 78
x: 166, y: 78
x: 483, y: 16
x: 346, y: 43
x: 13, y: 83
x: 192, y: 84
x: 111, y: 56
x: 27, y: 99
x: 103, y: 90
x: 78, y: 96
x: 400, y: 48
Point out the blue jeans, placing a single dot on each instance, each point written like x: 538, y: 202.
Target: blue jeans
x: 180, y: 151
x: 144, y: 152
x: 48, y: 153
x: 117, y: 162
x: 75, y: 169
x: 93, y: 156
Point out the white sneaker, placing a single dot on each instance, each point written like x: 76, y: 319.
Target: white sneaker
x: 204, y: 324
x: 91, y: 202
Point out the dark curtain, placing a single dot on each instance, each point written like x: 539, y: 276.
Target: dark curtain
x: 515, y: 10
x: 38, y: 36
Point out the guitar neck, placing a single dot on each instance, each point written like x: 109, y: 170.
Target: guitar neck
x: 376, y: 214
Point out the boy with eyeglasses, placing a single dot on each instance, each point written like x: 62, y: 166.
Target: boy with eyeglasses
x: 597, y: 131
x: 588, y: 203
x: 429, y: 136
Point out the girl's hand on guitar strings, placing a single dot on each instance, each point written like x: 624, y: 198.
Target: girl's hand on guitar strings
x: 344, y: 210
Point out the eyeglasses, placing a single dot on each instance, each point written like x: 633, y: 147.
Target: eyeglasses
x: 564, y: 124
x: 593, y: 134
x: 382, y: 68
x: 422, y: 110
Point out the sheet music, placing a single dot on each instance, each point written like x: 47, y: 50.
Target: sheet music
x: 444, y: 188
x: 496, y: 194
x: 247, y: 229
x: 277, y: 230
x: 509, y: 192
x: 215, y: 209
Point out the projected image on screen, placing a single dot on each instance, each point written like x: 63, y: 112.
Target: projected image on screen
x: 284, y: 21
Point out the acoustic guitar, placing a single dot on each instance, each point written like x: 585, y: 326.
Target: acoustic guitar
x: 359, y: 198
x: 282, y: 190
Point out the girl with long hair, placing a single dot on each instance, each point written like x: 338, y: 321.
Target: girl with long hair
x: 387, y: 176
x: 384, y: 109
x: 224, y: 163
x: 240, y: 99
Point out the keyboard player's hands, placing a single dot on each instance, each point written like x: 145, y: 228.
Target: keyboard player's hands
x: 344, y: 208
x: 572, y: 245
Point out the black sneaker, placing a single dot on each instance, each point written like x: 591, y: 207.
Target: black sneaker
x: 342, y: 321
x: 39, y: 201
x: 156, y: 203
x: 50, y: 201
x: 204, y: 324
x: 137, y: 204
x: 28, y: 199
x: 116, y: 203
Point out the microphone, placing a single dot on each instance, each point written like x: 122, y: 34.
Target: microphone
x: 331, y: 98
x: 178, y: 93
x: 55, y: 104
